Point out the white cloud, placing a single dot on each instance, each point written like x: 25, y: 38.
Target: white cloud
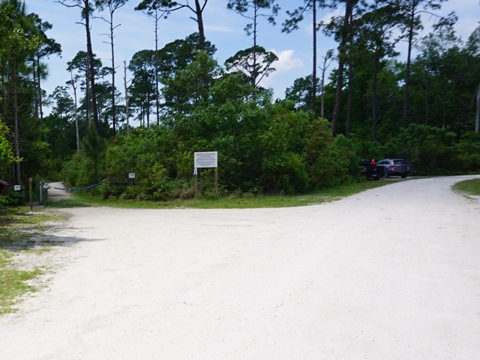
x: 220, y: 29
x: 340, y: 11
x: 286, y: 61
x: 286, y: 67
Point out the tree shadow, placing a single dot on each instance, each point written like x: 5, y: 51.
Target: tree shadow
x: 27, y: 241
x: 66, y: 204
x: 17, y: 233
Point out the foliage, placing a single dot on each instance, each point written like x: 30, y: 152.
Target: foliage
x: 301, y: 93
x: 260, y: 148
x: 428, y: 147
x: 6, y: 152
x: 233, y: 200
x: 280, y: 147
x: 466, y: 153
x: 77, y: 171
x: 255, y: 62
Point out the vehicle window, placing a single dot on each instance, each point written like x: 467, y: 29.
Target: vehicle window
x: 399, y: 162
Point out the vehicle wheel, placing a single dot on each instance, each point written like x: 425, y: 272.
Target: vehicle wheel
x: 404, y: 176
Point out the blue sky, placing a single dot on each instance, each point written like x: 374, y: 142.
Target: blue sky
x: 223, y: 27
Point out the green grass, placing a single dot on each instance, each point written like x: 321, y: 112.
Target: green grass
x: 14, y: 284
x: 470, y: 187
x: 18, y: 227
x: 230, y: 202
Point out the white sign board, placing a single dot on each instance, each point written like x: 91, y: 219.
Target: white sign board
x: 206, y: 159
x: 131, y: 175
x: 17, y: 187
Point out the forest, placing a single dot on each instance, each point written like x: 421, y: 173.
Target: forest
x: 424, y: 107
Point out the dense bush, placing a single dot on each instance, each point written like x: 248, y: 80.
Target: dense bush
x: 77, y: 172
x: 466, y: 153
x: 268, y: 149
x: 12, y: 198
x: 429, y: 148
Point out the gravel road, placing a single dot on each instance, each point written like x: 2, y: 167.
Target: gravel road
x: 391, y: 273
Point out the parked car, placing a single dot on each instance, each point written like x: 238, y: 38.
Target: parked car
x: 411, y: 168
x: 371, y: 171
x: 391, y: 167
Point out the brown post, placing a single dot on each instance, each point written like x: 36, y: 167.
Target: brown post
x: 30, y: 193
x: 196, y: 185
x: 216, y: 181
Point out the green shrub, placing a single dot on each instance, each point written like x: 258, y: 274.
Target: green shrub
x: 467, y: 153
x: 284, y: 173
x: 76, y: 171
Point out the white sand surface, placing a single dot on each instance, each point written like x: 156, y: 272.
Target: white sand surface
x: 391, y: 273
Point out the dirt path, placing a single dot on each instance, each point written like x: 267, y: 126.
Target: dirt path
x: 57, y: 192
x: 391, y: 273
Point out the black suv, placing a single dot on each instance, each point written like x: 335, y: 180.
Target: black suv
x: 399, y: 167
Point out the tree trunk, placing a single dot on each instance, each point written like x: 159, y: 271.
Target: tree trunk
x: 374, y: 99
x: 255, y: 72
x: 322, y: 96
x: 427, y: 100
x: 35, y: 84
x: 314, y: 72
x: 349, y: 101
x: 91, y: 65
x: 77, y: 133
x: 127, y: 115
x: 88, y: 97
x: 157, y: 90
x: 341, y: 64
x: 39, y: 89
x: 326, y: 58
x: 406, y: 95
x: 477, y: 117
x: 112, y: 49
x: 16, y: 133
x: 201, y: 30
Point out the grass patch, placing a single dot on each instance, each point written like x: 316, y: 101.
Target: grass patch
x: 13, y: 285
x: 19, y: 228
x: 470, y: 187
x: 242, y: 201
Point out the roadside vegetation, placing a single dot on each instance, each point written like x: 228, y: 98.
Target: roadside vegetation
x: 181, y: 99
x: 21, y: 237
x: 470, y: 187
x: 238, y: 201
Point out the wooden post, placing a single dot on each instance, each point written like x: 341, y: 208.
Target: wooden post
x: 196, y: 182
x: 30, y: 193
x: 216, y: 181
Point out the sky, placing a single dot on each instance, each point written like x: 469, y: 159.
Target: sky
x: 223, y: 28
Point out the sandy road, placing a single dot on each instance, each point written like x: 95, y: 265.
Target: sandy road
x: 391, y: 273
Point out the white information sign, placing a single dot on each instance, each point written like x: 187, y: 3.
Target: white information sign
x: 131, y: 175
x: 17, y: 187
x: 206, y: 159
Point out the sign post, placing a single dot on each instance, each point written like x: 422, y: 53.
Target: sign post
x: 206, y: 159
x: 30, y: 193
x: 131, y: 177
